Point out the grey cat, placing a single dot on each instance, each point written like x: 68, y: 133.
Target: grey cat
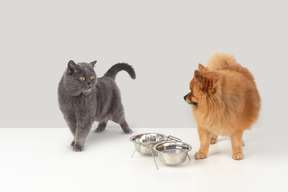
x: 84, y: 98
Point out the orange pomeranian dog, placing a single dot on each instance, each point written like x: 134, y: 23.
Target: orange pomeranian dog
x: 225, y: 101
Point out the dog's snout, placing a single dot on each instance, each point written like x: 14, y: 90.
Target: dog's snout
x: 185, y: 97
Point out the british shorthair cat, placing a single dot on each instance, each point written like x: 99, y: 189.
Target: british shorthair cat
x: 84, y: 98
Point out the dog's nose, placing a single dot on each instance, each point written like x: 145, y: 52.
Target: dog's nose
x: 185, y: 97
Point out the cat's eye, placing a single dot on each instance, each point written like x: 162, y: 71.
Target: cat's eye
x: 82, y: 78
x: 92, y: 77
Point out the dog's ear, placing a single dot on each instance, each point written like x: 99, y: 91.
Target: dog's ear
x: 202, y: 68
x: 208, y: 82
x: 198, y: 75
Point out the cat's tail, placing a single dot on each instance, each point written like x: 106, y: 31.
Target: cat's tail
x: 112, y: 72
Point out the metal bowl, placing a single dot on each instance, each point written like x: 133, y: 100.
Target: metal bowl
x: 172, y: 152
x: 145, y: 141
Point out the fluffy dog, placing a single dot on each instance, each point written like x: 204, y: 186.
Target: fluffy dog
x: 225, y: 101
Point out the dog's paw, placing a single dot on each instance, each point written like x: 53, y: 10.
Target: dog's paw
x: 200, y: 155
x: 238, y: 156
x: 213, y: 140
x: 78, y: 148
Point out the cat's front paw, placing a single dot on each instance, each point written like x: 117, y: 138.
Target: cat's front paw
x: 72, y: 143
x: 78, y: 148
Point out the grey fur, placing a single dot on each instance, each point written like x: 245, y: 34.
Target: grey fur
x: 83, y: 102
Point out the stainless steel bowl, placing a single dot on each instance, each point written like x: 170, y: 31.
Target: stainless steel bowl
x: 172, y: 152
x: 145, y: 141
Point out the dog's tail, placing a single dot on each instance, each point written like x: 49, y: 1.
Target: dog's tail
x: 220, y: 61
x: 112, y: 72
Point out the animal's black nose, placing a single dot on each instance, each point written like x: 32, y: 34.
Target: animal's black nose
x: 185, y: 97
x: 89, y: 82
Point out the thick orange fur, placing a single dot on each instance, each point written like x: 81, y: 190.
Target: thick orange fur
x: 225, y: 102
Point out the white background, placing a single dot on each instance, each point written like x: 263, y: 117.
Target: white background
x: 34, y: 160
x: 163, y: 40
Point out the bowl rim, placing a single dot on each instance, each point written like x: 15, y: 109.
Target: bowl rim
x: 132, y: 139
x: 171, y: 141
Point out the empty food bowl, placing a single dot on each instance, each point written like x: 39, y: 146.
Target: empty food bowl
x: 144, y: 142
x: 172, y: 152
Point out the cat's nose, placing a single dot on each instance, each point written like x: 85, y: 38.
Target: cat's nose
x: 89, y: 82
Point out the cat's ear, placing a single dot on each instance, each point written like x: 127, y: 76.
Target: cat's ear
x: 72, y: 67
x: 93, y: 63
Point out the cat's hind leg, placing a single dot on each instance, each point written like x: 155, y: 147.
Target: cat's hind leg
x: 101, y: 127
x: 125, y: 127
x: 119, y: 118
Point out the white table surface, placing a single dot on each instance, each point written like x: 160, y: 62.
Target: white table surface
x: 41, y: 159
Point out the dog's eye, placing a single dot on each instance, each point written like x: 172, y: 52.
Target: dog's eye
x: 195, y: 104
